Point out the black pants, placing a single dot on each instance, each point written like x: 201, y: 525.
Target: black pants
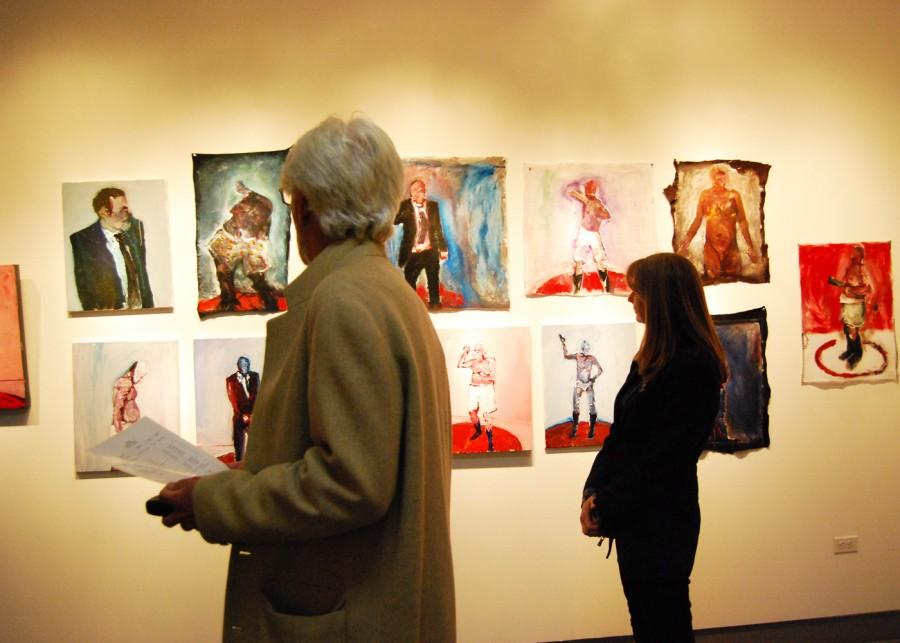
x: 655, y: 565
x: 430, y: 261
x: 238, y: 436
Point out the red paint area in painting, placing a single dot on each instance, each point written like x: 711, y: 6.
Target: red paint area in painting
x: 246, y: 302
x: 559, y: 436
x: 8, y: 401
x: 227, y: 458
x: 449, y: 299
x: 850, y: 374
x: 503, y: 439
x: 821, y: 301
x: 562, y: 284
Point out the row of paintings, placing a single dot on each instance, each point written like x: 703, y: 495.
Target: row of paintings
x: 847, y: 322
x: 584, y: 223
x: 489, y: 370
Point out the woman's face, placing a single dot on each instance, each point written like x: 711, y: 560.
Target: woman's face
x: 640, y: 308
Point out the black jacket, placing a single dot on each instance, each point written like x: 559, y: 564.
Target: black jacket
x: 406, y: 216
x: 648, y: 465
x: 96, y: 279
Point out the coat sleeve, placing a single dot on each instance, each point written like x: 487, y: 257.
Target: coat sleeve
x: 660, y: 452
x: 347, y: 478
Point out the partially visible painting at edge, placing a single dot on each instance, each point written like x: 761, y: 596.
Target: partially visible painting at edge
x: 743, y: 419
x: 13, y: 374
x: 718, y: 218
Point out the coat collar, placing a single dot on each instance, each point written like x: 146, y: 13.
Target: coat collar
x: 332, y: 258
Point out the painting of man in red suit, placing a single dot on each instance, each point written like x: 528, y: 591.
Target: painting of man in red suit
x: 241, y: 386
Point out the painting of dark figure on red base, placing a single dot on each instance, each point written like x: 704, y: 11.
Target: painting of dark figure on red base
x: 243, y: 233
x: 846, y: 292
x: 227, y: 375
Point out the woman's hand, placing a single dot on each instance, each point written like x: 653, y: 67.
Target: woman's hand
x: 589, y: 524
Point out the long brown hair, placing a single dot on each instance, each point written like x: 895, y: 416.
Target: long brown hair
x: 675, y: 312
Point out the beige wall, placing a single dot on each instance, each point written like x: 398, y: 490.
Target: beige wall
x: 99, y: 90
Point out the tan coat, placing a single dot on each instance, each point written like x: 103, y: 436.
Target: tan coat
x: 340, y: 519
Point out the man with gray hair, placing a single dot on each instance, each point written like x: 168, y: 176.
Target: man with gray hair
x: 340, y: 514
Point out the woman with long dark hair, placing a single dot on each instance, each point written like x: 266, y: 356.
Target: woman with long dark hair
x: 642, y: 488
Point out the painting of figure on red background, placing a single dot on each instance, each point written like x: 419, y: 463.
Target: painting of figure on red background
x: 847, y: 302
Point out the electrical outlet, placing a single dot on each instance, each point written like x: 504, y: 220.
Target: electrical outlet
x: 846, y: 544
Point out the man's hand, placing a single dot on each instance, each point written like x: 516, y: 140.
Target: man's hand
x: 589, y: 524
x: 180, y: 495
x: 444, y: 255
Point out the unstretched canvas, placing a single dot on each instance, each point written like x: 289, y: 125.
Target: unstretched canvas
x: 243, y: 232
x: 584, y: 223
x: 450, y: 236
x: 117, y: 383
x: 13, y: 375
x: 490, y: 388
x: 743, y: 419
x: 846, y: 292
x: 584, y: 367
x: 719, y: 221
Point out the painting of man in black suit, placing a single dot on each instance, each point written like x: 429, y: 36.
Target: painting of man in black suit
x: 110, y: 256
x: 422, y: 246
x: 241, y: 386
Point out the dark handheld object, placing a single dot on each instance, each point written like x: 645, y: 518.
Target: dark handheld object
x: 156, y: 506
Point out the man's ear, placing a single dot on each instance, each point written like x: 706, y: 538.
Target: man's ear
x: 105, y: 210
x: 305, y: 212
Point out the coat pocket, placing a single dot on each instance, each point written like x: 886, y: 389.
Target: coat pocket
x: 280, y: 626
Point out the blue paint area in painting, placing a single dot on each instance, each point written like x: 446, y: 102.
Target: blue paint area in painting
x: 743, y: 336
x: 742, y: 389
x: 470, y: 201
x: 484, y: 274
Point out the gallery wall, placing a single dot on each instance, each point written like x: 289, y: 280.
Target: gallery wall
x: 111, y: 90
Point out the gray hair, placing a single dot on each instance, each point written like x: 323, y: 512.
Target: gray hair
x: 350, y: 175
